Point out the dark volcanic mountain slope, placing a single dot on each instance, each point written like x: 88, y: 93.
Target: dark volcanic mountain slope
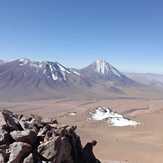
x: 27, y: 78
x: 102, y: 71
x: 28, y: 73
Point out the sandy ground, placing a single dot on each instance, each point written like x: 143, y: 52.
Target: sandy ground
x: 141, y: 144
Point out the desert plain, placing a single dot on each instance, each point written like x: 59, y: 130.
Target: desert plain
x: 135, y: 144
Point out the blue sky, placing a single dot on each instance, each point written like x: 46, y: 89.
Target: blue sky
x: 127, y: 33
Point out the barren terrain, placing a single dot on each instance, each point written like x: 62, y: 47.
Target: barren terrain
x: 141, y: 144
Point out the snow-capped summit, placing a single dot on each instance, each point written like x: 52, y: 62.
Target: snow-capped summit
x: 104, y: 67
x: 101, y: 66
x: 100, y: 70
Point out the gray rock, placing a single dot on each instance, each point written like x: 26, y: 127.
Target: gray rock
x: 48, y: 121
x: 64, y: 151
x: 26, y: 122
x: 11, y: 119
x: 30, y: 123
x: 27, y: 136
x: 37, y: 141
x: 4, y: 137
x: 18, y: 151
x: 4, y: 151
x: 3, y: 123
x: 4, y: 148
x: 29, y: 159
x: 48, y: 150
x: 2, y: 159
x: 43, y: 131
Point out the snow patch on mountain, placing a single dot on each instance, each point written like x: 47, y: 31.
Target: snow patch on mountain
x: 77, y: 73
x: 23, y: 61
x: 38, y: 65
x: 53, y: 70
x: 103, y: 67
x: 54, y: 77
x: 62, y: 68
x: 35, y: 64
x: 116, y: 72
x: 113, y: 118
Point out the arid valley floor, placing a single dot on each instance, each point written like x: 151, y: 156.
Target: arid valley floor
x: 140, y: 144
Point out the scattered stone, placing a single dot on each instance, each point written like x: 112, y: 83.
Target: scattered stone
x: 31, y: 139
x: 18, y: 151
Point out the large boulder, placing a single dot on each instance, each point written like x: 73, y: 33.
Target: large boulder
x: 26, y: 122
x: 4, y: 137
x: 48, y: 150
x: 4, y: 153
x: 3, y: 123
x: 26, y: 125
x: 29, y: 159
x: 64, y: 152
x: 29, y: 122
x: 27, y: 136
x: 11, y: 120
x: 18, y: 151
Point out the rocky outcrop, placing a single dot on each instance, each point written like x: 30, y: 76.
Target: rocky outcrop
x: 11, y: 120
x: 3, y: 136
x: 31, y: 139
x: 27, y: 136
x: 18, y: 151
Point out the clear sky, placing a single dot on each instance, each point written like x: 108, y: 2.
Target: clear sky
x: 127, y: 33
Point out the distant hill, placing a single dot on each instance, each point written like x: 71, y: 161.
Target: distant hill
x: 149, y: 79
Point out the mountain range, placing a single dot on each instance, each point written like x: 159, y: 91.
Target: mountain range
x: 149, y: 79
x: 27, y: 79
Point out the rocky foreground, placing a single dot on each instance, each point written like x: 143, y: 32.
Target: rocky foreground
x: 31, y: 139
